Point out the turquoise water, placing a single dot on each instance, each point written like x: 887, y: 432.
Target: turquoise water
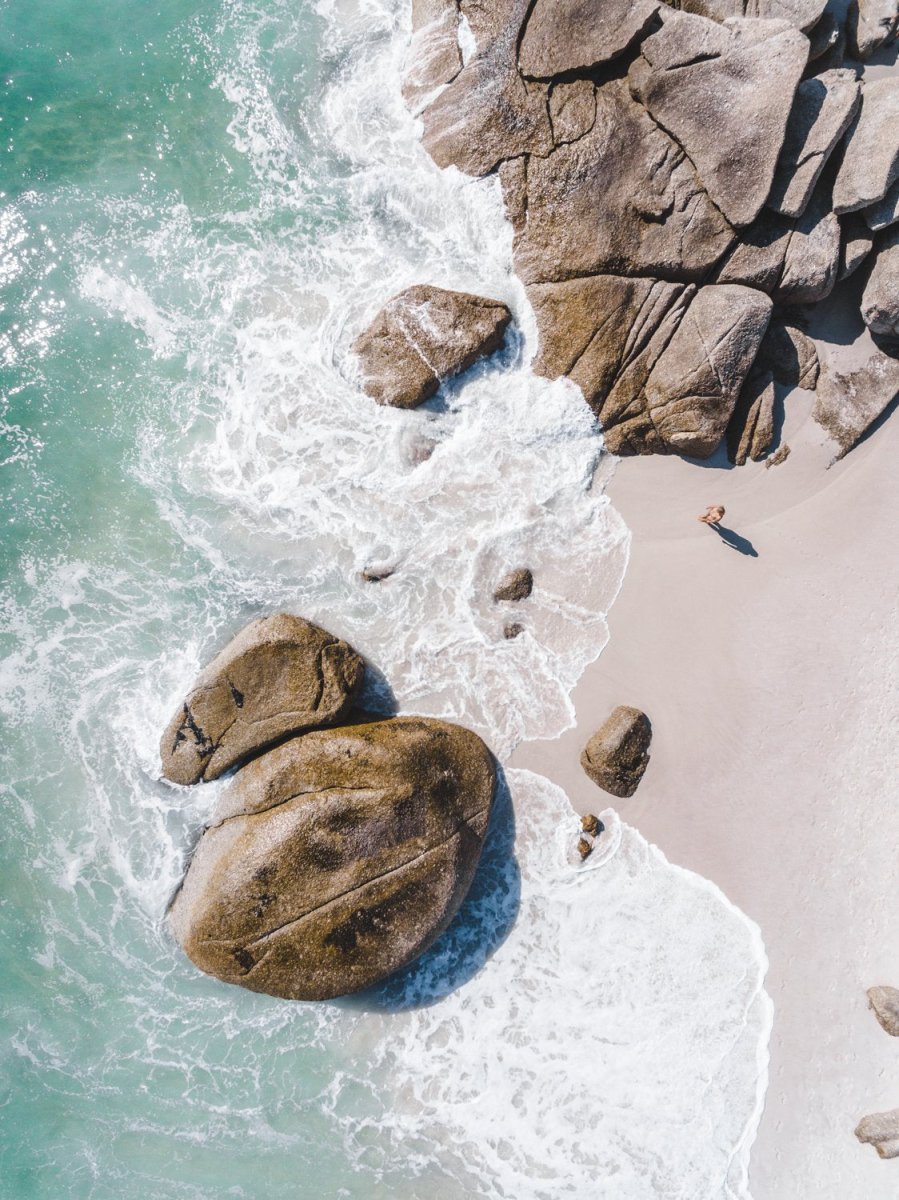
x: 201, y: 204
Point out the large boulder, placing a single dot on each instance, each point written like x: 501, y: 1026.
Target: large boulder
x: 724, y: 93
x: 849, y: 401
x: 576, y: 35
x: 617, y: 755
x: 423, y: 336
x: 872, y: 23
x: 881, y: 1130
x: 804, y: 14
x: 871, y: 161
x: 337, y: 858
x: 880, y: 300
x: 885, y: 1003
x: 279, y: 676
x: 821, y: 114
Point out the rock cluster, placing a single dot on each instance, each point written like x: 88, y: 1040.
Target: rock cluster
x: 617, y: 755
x: 678, y: 175
x: 339, y: 855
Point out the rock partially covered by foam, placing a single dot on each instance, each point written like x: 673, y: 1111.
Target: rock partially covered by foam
x: 617, y: 755
x: 422, y: 337
x: 279, y: 676
x: 881, y: 1130
x: 885, y: 1003
x: 516, y: 585
x: 337, y: 858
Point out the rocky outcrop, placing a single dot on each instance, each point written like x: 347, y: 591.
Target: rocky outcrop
x: 822, y: 112
x: 279, y: 676
x: 871, y: 160
x: 516, y: 585
x: 885, y: 1003
x: 804, y: 14
x: 872, y: 23
x: 849, y: 402
x: 751, y: 429
x: 617, y: 755
x: 881, y: 1130
x: 337, y: 858
x: 712, y: 85
x: 880, y: 300
x: 424, y: 336
x: 577, y: 35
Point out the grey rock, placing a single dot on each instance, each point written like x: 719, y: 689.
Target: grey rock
x: 621, y: 200
x: 575, y: 35
x: 885, y: 1003
x: 848, y: 402
x: 872, y: 23
x: 337, y: 858
x: 857, y: 243
x: 821, y: 114
x: 572, y: 110
x: 880, y: 299
x: 751, y: 428
x: 825, y: 40
x: 804, y: 14
x: 279, y: 676
x: 617, y: 755
x: 881, y: 1130
x: 789, y: 354
x: 724, y: 92
x: 871, y: 160
x: 886, y: 211
x: 422, y: 337
x: 516, y: 585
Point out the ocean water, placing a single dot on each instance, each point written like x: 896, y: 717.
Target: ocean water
x: 202, y: 203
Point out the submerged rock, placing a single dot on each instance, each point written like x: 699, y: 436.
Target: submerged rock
x: 279, y: 676
x: 517, y: 585
x: 337, y: 858
x: 422, y: 337
x: 881, y: 1130
x: 617, y: 755
x: 885, y: 1003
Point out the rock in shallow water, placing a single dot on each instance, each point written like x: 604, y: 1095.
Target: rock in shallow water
x: 279, y: 676
x: 617, y: 755
x: 337, y: 858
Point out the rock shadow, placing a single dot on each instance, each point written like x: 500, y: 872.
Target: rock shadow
x: 736, y: 541
x: 478, y: 929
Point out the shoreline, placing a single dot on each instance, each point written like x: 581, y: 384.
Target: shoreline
x: 767, y: 682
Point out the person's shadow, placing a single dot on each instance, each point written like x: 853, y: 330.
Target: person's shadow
x: 736, y: 541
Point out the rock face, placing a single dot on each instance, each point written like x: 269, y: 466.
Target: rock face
x: 886, y: 211
x: 789, y: 354
x: 423, y: 336
x: 751, y: 428
x: 517, y: 585
x: 575, y: 35
x: 881, y: 1130
x: 872, y: 23
x: 730, y: 84
x: 871, y: 162
x: 337, y: 858
x: 885, y: 1003
x: 617, y: 755
x: 821, y: 114
x: 279, y: 676
x: 849, y: 402
x: 880, y: 300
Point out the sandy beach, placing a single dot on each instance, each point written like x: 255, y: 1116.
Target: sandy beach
x: 769, y: 677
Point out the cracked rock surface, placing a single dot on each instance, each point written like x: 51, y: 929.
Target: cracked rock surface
x: 279, y: 676
x: 337, y: 858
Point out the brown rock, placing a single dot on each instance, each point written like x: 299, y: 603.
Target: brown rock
x: 575, y: 35
x: 789, y: 354
x: 616, y: 756
x: 512, y: 631
x: 434, y: 57
x: 881, y: 1130
x: 751, y: 428
x: 517, y: 585
x: 724, y: 92
x: 584, y: 848
x: 279, y: 676
x: 885, y: 1003
x: 880, y: 299
x: 592, y: 825
x: 804, y: 14
x: 423, y: 336
x: 822, y: 112
x: 871, y: 161
x: 849, y: 402
x: 781, y: 454
x: 337, y: 858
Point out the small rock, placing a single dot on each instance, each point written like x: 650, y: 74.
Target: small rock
x: 512, y: 631
x: 789, y: 354
x: 781, y: 454
x: 885, y: 1003
x: 517, y: 585
x: 591, y: 824
x: 616, y: 756
x: 569, y: 35
x: 375, y: 574
x: 881, y: 1130
x: 584, y: 848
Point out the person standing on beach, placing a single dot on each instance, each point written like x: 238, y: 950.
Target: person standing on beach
x: 712, y: 515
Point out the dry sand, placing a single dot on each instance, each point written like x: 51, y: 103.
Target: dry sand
x: 770, y: 681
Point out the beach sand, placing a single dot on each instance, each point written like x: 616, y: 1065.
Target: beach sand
x: 770, y: 681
